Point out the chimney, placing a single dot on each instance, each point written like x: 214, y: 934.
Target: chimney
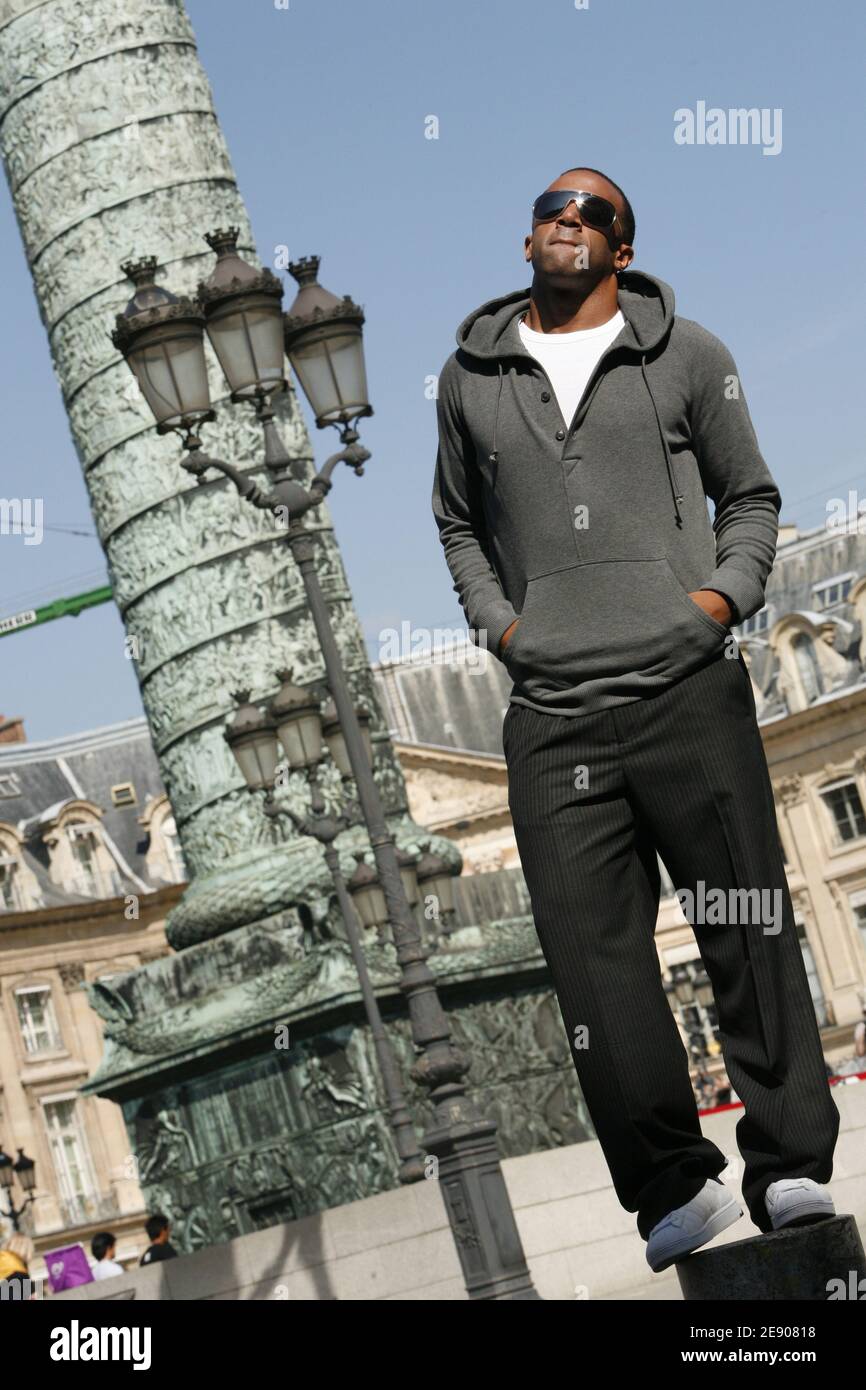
x: 12, y: 730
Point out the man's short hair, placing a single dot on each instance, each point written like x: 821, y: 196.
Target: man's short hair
x: 627, y: 219
x: 101, y: 1244
x: 155, y: 1225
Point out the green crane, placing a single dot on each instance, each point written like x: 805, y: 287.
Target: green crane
x: 59, y: 608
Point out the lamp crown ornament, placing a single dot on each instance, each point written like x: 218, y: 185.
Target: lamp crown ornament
x: 364, y: 872
x: 150, y: 304
x: 313, y: 301
x: 232, y: 274
x: 142, y: 273
x: 223, y: 240
x: 248, y: 717
x: 291, y: 696
x: 306, y: 270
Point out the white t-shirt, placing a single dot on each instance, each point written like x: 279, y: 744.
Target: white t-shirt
x: 107, y: 1269
x: 570, y: 358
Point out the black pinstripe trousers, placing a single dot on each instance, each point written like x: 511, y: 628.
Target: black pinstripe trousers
x: 592, y: 798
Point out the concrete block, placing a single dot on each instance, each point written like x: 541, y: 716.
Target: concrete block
x: 387, y: 1218
x: 561, y: 1223
x: 147, y: 1283
x: 288, y: 1248
x: 579, y: 1168
x: 796, y: 1264
x: 396, y: 1268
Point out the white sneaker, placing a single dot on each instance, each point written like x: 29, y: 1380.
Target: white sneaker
x: 680, y: 1232
x: 797, y: 1201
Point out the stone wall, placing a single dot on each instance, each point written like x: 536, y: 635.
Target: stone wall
x: 579, y: 1242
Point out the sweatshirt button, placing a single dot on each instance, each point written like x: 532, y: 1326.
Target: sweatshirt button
x: 560, y: 434
x: 545, y: 396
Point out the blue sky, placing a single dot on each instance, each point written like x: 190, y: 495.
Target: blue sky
x: 324, y: 107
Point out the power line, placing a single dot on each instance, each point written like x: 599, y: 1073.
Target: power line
x: 823, y: 492
x: 27, y: 598
x: 65, y: 530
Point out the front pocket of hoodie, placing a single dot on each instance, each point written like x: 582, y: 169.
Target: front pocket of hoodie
x: 629, y: 619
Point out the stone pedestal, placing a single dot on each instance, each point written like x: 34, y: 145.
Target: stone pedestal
x: 822, y: 1262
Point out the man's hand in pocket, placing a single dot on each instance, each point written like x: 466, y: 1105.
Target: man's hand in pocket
x: 503, y: 641
x: 715, y: 604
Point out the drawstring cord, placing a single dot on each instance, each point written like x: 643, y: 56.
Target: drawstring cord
x: 674, y: 494
x: 494, y: 457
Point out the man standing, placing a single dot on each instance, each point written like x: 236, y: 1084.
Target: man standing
x: 158, y: 1230
x: 582, y: 427
x: 104, y: 1248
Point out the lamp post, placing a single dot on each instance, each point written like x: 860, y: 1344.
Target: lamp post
x: 686, y: 991
x: 294, y: 717
x: 323, y: 342
x: 24, y: 1169
x: 435, y: 881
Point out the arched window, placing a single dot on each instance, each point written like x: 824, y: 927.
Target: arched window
x: 93, y: 872
x: 808, y: 668
x: 19, y: 888
x: 10, y: 897
x: 173, y: 852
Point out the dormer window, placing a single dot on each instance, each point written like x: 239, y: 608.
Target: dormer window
x: 86, y: 875
x: 807, y: 666
x: 165, y: 862
x: 10, y: 785
x: 173, y: 852
x: 19, y: 887
x: 10, y: 897
x: 92, y: 872
x: 810, y: 666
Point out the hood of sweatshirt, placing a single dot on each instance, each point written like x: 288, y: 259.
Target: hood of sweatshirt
x: 647, y: 305
x: 491, y: 332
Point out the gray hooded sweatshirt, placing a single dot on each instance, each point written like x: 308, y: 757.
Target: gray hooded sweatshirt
x: 593, y: 531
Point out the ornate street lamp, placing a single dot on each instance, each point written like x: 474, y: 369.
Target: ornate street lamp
x: 703, y: 989
x: 297, y: 717
x: 436, y: 880
x: 161, y: 338
x: 682, y: 985
x: 333, y: 734
x: 323, y: 343
x: 687, y: 992
x: 252, y: 739
x: 323, y: 340
x: 368, y: 897
x: 243, y: 317
x: 24, y: 1169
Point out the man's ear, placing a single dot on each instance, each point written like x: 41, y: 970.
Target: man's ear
x: 527, y: 248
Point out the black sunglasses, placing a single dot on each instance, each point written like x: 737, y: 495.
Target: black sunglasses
x: 594, y: 211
